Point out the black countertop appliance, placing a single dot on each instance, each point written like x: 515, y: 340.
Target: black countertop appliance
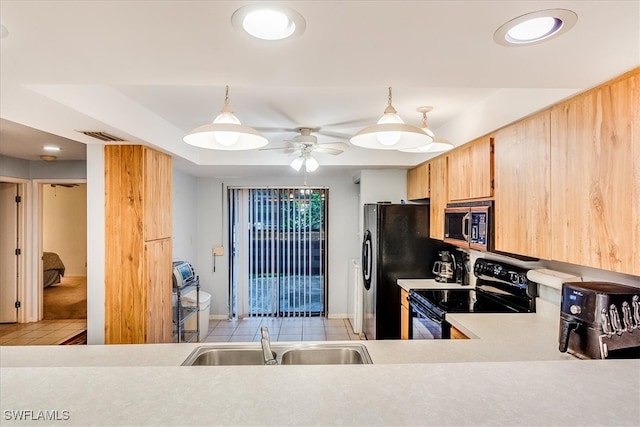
x: 396, y: 245
x: 600, y: 320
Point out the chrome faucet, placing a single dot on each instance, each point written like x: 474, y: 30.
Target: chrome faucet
x: 269, y: 358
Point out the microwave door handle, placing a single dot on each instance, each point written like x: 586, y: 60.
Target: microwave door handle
x: 465, y: 226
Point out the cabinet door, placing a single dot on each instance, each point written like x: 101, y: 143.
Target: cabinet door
x: 596, y: 176
x: 522, y: 188
x: 405, y: 316
x: 418, y: 182
x: 159, y: 296
x: 158, y: 195
x: 438, y: 174
x: 471, y: 170
x: 457, y: 335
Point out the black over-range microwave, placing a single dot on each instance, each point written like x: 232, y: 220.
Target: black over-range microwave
x: 469, y: 225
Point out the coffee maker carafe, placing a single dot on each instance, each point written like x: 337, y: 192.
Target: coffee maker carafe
x: 445, y: 267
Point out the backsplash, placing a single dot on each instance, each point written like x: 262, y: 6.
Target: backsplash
x: 550, y: 294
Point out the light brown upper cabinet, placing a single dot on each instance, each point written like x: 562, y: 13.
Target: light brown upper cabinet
x: 418, y: 182
x: 438, y: 180
x: 138, y: 248
x: 470, y: 170
x: 522, y: 188
x: 595, y: 170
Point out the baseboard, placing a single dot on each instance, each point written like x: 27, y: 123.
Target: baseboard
x: 225, y: 317
x: 337, y: 316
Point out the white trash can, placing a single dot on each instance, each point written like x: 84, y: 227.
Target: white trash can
x: 189, y: 300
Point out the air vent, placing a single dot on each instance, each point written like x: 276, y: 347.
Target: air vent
x: 102, y: 136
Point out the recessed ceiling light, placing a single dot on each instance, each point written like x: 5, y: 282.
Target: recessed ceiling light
x: 268, y: 22
x: 51, y: 148
x: 535, y: 27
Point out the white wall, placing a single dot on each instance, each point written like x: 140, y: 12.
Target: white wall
x: 95, y: 244
x: 185, y: 216
x: 211, y: 229
x: 380, y: 185
x: 64, y: 228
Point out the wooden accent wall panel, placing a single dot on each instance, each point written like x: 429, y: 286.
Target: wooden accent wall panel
x: 129, y: 267
x: 439, y: 196
x: 470, y: 172
x: 158, y: 273
x: 523, y: 188
x: 596, y: 175
x: 158, y: 202
x: 418, y: 182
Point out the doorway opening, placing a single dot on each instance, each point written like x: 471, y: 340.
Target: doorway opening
x: 64, y: 251
x: 278, y: 239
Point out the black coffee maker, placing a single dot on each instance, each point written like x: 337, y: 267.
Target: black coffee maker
x: 445, y: 267
x: 461, y: 273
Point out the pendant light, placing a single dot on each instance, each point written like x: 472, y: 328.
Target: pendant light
x: 226, y: 132
x: 390, y: 133
x: 437, y: 144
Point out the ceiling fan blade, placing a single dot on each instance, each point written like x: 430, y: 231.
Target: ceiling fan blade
x: 283, y: 149
x: 282, y: 113
x: 355, y: 123
x: 273, y: 129
x: 320, y: 149
x: 335, y: 145
x: 334, y: 134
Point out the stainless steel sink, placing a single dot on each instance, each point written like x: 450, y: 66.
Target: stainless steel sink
x: 324, y: 356
x: 212, y: 356
x: 285, y: 354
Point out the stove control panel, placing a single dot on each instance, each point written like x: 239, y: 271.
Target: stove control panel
x: 497, y: 271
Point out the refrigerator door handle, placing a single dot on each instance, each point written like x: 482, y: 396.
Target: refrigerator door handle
x: 366, y: 260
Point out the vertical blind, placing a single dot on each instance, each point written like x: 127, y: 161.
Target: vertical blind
x: 286, y: 250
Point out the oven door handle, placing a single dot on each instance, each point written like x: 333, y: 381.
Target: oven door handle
x: 421, y: 309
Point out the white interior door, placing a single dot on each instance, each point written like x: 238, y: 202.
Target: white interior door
x: 8, y: 257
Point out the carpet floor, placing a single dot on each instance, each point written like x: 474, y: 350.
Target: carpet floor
x: 67, y: 299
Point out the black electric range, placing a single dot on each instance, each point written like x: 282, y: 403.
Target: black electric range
x: 500, y: 288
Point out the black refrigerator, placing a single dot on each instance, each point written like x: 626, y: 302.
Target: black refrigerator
x: 396, y: 245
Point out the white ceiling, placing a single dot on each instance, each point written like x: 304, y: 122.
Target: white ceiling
x: 150, y: 71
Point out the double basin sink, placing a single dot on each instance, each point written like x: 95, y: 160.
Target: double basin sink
x: 283, y: 354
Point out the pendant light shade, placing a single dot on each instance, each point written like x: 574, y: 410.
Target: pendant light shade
x: 226, y: 132
x: 390, y: 133
x: 436, y: 145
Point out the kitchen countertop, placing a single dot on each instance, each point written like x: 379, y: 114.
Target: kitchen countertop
x: 509, y: 373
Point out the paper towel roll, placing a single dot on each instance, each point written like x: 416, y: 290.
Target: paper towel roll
x: 551, y: 278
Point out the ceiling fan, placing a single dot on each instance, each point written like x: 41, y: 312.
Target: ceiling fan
x: 304, y: 144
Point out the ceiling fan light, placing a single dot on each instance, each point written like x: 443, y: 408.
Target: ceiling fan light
x: 311, y: 164
x: 297, y: 163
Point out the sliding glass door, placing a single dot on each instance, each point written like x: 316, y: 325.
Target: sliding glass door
x: 278, y: 240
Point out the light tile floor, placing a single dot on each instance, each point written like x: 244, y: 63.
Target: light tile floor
x: 45, y: 332
x: 281, y: 329
x: 55, y: 332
